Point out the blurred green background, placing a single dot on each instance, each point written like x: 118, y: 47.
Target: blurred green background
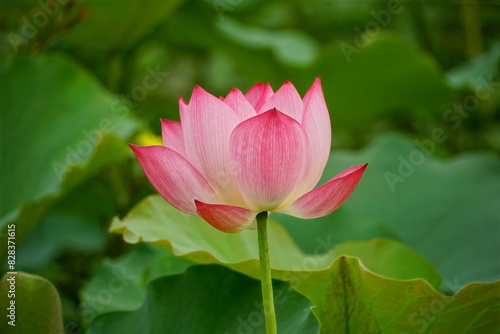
x: 413, y: 88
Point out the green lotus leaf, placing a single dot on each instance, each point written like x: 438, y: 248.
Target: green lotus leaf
x: 209, y: 299
x: 350, y: 299
x: 446, y: 210
x: 157, y: 222
x: 66, y: 129
x: 34, y: 304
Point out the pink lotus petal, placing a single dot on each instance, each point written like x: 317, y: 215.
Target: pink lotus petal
x: 327, y: 198
x: 237, y: 101
x: 316, y: 122
x: 174, y: 177
x: 266, y: 95
x: 171, y: 132
x: 226, y: 218
x: 269, y: 152
x: 259, y: 94
x: 287, y: 100
x: 207, y: 126
x: 182, y: 106
x: 254, y: 94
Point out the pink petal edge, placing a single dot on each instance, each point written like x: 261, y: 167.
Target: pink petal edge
x: 316, y: 123
x: 171, y: 132
x: 225, y: 218
x: 266, y: 95
x: 174, y: 178
x: 259, y: 94
x: 253, y: 95
x: 287, y: 100
x: 182, y: 107
x: 327, y: 198
x: 237, y: 101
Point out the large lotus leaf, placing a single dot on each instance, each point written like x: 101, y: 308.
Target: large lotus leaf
x: 346, y: 294
x: 209, y: 299
x: 446, y: 210
x: 252, y: 63
x: 58, y: 125
x: 120, y: 285
x: 386, y: 75
x: 73, y: 223
x: 117, y: 25
x: 155, y: 221
x: 55, y: 233
x: 37, y: 307
x: 292, y: 48
x: 479, y: 73
x: 350, y: 299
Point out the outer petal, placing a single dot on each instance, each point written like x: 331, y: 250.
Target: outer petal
x: 171, y: 132
x: 287, y: 100
x: 327, y: 198
x: 316, y: 122
x: 226, y: 218
x: 259, y: 94
x: 237, y: 101
x: 207, y: 125
x: 269, y: 152
x: 174, y: 177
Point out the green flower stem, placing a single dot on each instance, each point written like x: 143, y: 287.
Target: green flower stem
x: 265, y: 274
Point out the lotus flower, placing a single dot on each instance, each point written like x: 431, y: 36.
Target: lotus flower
x: 231, y: 158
